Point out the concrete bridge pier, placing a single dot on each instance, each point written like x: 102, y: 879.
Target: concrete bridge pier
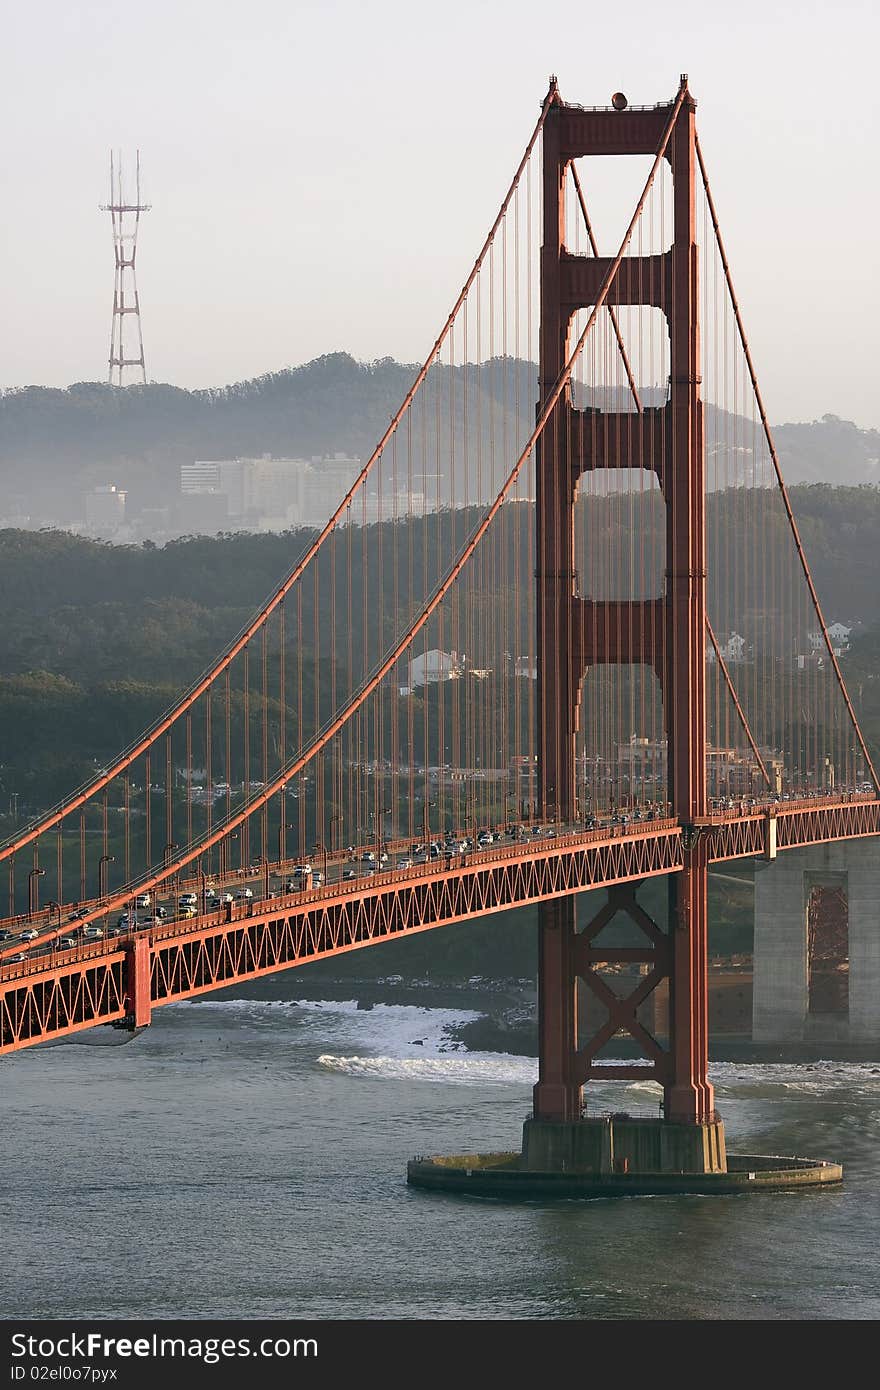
x: 817, y: 946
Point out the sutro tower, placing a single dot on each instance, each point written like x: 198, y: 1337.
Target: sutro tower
x: 126, y: 217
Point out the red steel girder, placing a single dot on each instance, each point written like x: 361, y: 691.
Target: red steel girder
x: 97, y: 984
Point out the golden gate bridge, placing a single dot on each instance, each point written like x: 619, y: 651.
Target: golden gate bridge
x: 560, y: 634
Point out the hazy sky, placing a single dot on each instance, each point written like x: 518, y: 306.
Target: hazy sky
x: 322, y: 172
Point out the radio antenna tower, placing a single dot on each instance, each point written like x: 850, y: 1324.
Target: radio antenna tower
x: 125, y: 217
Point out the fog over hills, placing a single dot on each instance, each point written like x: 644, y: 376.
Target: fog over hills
x: 56, y: 445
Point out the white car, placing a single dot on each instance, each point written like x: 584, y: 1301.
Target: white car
x: 29, y: 935
x: 244, y: 893
x: 142, y: 900
x: 188, y: 900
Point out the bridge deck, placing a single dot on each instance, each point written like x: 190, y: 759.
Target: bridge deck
x: 63, y: 991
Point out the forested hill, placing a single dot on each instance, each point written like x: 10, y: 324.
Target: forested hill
x: 60, y: 442
x: 97, y: 639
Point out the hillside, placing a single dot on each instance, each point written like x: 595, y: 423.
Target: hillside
x: 97, y: 639
x: 56, y: 444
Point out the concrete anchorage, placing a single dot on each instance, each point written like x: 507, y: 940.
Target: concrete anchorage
x: 789, y: 951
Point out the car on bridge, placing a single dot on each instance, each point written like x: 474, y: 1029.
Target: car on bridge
x: 6, y: 935
x: 243, y: 894
x: 19, y: 955
x: 29, y: 935
x: 188, y: 900
x: 404, y: 863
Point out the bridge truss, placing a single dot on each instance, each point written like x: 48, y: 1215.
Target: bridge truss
x: 571, y: 593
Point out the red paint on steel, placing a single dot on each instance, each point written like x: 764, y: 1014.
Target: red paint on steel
x: 137, y: 962
x: 722, y: 664
x: 765, y: 425
x: 165, y: 722
x: 87, y: 985
x: 688, y: 1093
x: 562, y: 643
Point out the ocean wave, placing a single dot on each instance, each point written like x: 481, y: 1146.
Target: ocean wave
x: 405, y: 1040
x: 461, y: 1068
x: 744, y: 1079
x: 395, y: 1030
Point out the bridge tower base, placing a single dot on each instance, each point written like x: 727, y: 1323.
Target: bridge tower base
x: 502, y: 1175
x: 623, y: 1144
x: 562, y: 1152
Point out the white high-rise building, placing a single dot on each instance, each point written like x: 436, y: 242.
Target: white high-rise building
x: 273, y: 494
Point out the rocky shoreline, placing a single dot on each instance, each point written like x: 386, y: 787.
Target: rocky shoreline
x: 507, y: 1021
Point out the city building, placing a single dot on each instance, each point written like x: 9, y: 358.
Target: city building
x: 266, y: 493
x: 105, y: 510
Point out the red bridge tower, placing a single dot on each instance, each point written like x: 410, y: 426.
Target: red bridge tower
x: 666, y: 632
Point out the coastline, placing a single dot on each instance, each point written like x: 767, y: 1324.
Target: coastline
x: 507, y: 1021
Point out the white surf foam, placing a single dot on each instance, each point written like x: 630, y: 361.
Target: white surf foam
x: 461, y: 1069
x: 394, y: 1030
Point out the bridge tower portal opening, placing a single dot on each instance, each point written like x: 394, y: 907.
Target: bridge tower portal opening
x: 665, y: 632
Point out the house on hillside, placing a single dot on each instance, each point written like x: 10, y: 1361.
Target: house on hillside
x: 733, y: 649
x: 838, y: 635
x: 431, y: 667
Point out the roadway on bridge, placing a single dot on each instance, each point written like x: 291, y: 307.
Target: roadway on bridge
x: 256, y: 884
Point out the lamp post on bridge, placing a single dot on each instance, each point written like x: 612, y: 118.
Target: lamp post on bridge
x: 203, y: 886
x: 49, y: 906
x: 265, y: 868
x: 380, y: 831
x: 321, y: 848
x: 334, y: 836
x: 224, y: 853
x: 102, y: 873
x: 33, y: 890
x: 167, y: 852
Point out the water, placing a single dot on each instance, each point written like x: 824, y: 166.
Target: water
x: 246, y: 1158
